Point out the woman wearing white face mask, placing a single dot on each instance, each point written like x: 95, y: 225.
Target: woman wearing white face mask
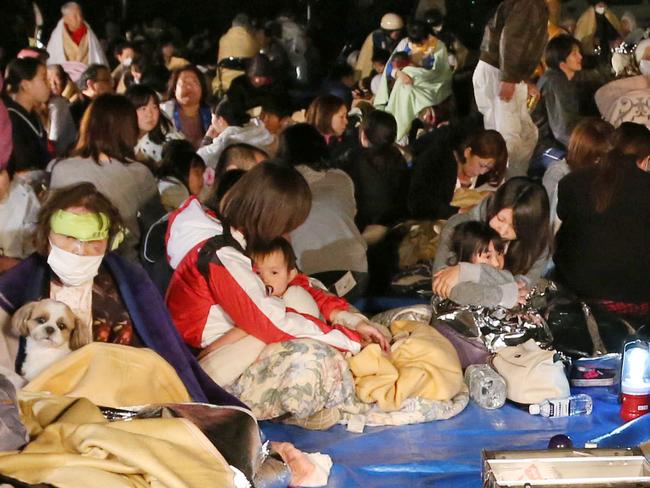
x: 598, y: 29
x: 114, y: 299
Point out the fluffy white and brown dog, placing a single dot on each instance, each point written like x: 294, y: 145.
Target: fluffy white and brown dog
x: 51, y: 330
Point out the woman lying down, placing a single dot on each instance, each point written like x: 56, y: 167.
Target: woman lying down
x: 76, y: 293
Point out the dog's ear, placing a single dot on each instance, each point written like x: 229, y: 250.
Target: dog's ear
x: 80, y: 335
x: 21, y: 317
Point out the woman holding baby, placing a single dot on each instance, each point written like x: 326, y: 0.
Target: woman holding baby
x: 519, y: 213
x: 219, y: 302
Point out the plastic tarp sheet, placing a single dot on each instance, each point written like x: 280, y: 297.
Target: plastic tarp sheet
x: 448, y: 453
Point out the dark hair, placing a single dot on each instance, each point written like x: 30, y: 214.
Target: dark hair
x: 303, y: 144
x: 380, y: 56
x: 109, y: 126
x: 173, y: 80
x: 529, y: 203
x: 260, y: 65
x: 341, y: 70
x: 178, y: 158
x: 263, y: 250
x: 380, y: 129
x: 488, y: 144
x: 90, y: 74
x: 401, y: 57
x: 631, y: 143
x: 120, y: 46
x: 140, y: 95
x: 558, y: 49
x: 77, y: 195
x: 155, y: 76
x: 433, y: 18
x: 268, y: 201
x: 18, y: 70
x: 589, y: 143
x: 472, y: 238
x: 241, y: 155
x: 417, y: 31
x: 277, y: 105
x: 321, y: 110
x: 223, y: 184
x: 231, y: 112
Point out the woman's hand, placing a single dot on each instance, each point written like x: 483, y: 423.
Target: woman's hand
x: 445, y: 280
x: 406, y: 79
x: 212, y: 132
x: 369, y: 335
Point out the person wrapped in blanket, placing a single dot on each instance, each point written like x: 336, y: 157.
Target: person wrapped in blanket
x: 215, y: 287
x: 422, y: 77
x: 518, y: 213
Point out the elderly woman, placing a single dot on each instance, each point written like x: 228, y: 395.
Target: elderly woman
x: 424, y: 82
x: 77, y: 229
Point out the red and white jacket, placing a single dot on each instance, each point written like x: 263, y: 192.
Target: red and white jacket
x: 204, y: 311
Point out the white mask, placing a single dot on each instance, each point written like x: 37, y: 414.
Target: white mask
x: 600, y: 10
x: 72, y: 269
x: 644, y: 67
x: 126, y: 62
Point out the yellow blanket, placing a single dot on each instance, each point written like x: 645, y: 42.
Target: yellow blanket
x: 72, y: 445
x: 422, y: 363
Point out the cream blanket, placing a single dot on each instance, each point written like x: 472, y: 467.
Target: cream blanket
x: 74, y: 446
x: 56, y: 48
x: 422, y: 363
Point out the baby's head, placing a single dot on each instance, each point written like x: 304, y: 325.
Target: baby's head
x: 401, y: 59
x: 275, y: 264
x: 478, y: 243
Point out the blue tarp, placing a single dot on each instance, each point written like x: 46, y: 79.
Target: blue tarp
x: 448, y: 452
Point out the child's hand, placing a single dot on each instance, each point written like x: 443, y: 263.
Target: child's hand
x: 445, y: 280
x: 522, y: 291
x: 369, y: 335
x: 406, y: 79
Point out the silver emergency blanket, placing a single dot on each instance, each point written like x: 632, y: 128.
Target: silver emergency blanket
x: 232, y: 430
x: 498, y: 327
x: 495, y: 327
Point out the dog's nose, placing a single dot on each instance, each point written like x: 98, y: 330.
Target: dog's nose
x: 49, y: 330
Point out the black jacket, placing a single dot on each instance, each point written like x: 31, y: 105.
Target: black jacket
x: 605, y: 256
x: 29, y: 139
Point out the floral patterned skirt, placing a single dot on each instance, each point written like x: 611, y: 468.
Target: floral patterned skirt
x: 298, y: 377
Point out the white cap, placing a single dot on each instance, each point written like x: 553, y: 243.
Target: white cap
x: 533, y: 409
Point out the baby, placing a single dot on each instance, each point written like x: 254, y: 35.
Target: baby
x: 275, y: 263
x: 477, y: 243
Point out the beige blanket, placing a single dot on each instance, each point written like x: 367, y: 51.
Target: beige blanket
x: 72, y: 445
x: 423, y: 363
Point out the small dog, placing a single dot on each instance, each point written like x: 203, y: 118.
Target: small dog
x: 52, y: 331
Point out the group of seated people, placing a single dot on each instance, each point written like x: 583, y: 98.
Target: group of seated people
x: 270, y: 217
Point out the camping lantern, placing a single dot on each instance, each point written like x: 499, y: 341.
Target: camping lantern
x: 635, y: 379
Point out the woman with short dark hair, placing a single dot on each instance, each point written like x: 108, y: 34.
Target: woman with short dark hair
x: 104, y: 156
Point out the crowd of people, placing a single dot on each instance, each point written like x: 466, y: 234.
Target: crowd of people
x: 225, y: 214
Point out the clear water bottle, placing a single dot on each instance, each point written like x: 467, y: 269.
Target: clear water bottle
x: 486, y: 386
x: 563, y: 407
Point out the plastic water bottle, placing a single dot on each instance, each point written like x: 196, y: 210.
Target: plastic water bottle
x: 563, y: 407
x: 486, y: 386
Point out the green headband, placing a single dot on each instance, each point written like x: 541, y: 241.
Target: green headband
x: 84, y: 227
